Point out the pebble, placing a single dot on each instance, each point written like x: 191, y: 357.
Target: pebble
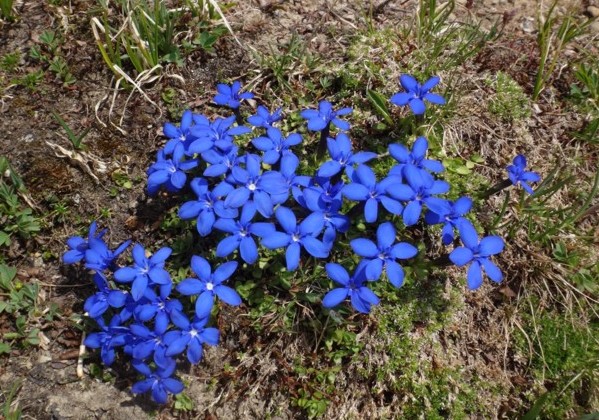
x: 593, y: 11
x: 528, y: 25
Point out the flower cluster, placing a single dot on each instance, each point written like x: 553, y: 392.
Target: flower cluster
x: 145, y: 320
x: 250, y: 197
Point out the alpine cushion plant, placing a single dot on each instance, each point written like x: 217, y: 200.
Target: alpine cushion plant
x: 248, y: 203
x: 415, y: 94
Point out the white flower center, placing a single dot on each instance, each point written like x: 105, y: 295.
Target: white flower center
x: 252, y: 187
x: 193, y: 333
x: 209, y: 286
x: 295, y: 237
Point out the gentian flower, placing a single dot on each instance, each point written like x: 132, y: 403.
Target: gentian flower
x: 106, y: 297
x: 160, y: 307
x: 361, y: 297
x: 297, y: 236
x: 519, y: 176
x: 99, y: 257
x: 159, y: 382
x: 478, y: 255
x: 230, y: 96
x: 221, y: 163
x: 275, y: 145
x: 365, y: 188
x: 214, y: 134
x: 170, y: 172
x: 191, y: 336
x: 145, y: 271
x: 415, y: 158
x: 318, y: 202
x: 149, y: 343
x: 263, y: 118
x: 416, y: 94
x: 78, y: 246
x: 179, y: 134
x: 340, y: 150
x: 451, y: 215
x: 111, y: 336
x: 241, y: 234
x: 418, y: 191
x: 208, y: 205
x: 209, y: 284
x: 320, y: 119
x: 383, y: 254
x: 255, y: 185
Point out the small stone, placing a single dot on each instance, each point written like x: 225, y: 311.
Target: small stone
x: 595, y: 27
x: 528, y: 25
x: 593, y: 11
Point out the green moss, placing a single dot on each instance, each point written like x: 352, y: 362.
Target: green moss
x: 564, y: 362
x: 509, y: 101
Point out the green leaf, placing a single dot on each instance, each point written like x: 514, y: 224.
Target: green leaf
x: 380, y: 105
x: 4, y: 238
x: 535, y: 410
x: 7, y: 274
x: 4, y: 348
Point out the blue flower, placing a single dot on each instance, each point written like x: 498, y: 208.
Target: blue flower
x: 159, y: 382
x: 518, y: 175
x: 361, y: 297
x: 275, y: 145
x: 106, y: 297
x: 208, y: 205
x: 149, y: 343
x: 78, y: 246
x: 418, y: 191
x: 256, y: 186
x: 297, y: 236
x: 415, y: 158
x: 230, y: 96
x: 342, y: 156
x: 415, y: 94
x: 263, y: 118
x: 209, y: 284
x: 383, y: 254
x: 99, y: 257
x: 365, y: 188
x: 317, y: 200
x: 160, y: 307
x: 218, y: 133
x: 170, y: 172
x: 241, y: 234
x: 221, y: 163
x: 179, y: 134
x: 145, y: 271
x: 111, y: 336
x: 451, y: 214
x: 191, y: 336
x: 320, y: 119
x: 478, y: 255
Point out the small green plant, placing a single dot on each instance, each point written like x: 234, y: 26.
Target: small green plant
x: 60, y: 67
x: 6, y: 10
x: 31, y: 80
x: 18, y: 301
x: 15, y: 218
x: 75, y: 139
x: 509, y: 102
x: 8, y: 411
x: 554, y: 35
x: 10, y: 61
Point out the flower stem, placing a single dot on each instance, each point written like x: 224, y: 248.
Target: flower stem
x: 238, y: 117
x: 322, y: 144
x: 495, y: 189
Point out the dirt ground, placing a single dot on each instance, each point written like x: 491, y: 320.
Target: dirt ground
x: 261, y: 386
